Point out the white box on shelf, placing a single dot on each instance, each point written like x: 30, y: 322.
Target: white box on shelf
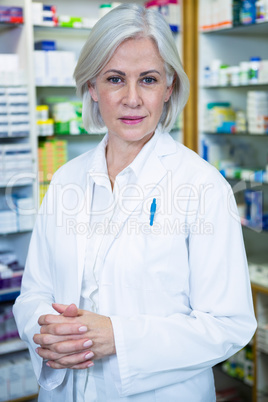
x: 9, y: 62
x: 54, y: 69
x: 26, y: 216
x: 68, y: 63
x: 40, y: 67
x: 8, y: 222
x: 37, y: 13
x: 89, y: 22
x: 263, y: 72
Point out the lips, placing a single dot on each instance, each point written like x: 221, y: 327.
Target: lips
x: 132, y: 119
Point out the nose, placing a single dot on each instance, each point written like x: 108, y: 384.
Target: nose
x: 132, y: 97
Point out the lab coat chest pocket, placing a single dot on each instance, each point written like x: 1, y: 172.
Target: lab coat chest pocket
x: 155, y: 257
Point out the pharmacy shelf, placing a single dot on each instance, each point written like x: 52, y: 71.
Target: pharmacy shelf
x: 248, y: 86
x: 250, y: 29
x: 55, y: 86
x: 248, y: 386
x: 17, y: 232
x: 69, y: 136
x: 262, y: 396
x: 259, y: 288
x: 63, y: 30
x: 245, y: 226
x: 262, y: 350
x: 252, y: 182
x: 15, y: 137
x: 85, y: 135
x: 223, y: 381
x: 24, y: 398
x: 12, y: 345
x: 6, y: 25
x: 9, y: 294
x: 233, y: 135
x: 17, y: 184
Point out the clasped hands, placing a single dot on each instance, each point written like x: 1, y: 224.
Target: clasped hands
x: 74, y: 338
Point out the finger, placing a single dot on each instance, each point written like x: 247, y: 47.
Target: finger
x: 64, y: 348
x: 83, y: 365
x: 56, y: 357
x: 64, y: 329
x: 54, y: 319
x: 71, y: 311
x: 67, y: 311
x: 79, y: 366
x: 46, y: 339
x: 60, y: 308
x: 48, y: 354
x: 72, y: 360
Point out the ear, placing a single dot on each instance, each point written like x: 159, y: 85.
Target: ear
x: 170, y: 89
x: 92, y: 91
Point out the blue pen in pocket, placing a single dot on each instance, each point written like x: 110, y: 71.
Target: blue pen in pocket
x: 152, y: 211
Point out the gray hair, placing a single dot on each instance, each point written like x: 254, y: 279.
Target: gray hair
x: 125, y: 22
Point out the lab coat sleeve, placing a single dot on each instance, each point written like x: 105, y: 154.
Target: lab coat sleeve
x: 155, y: 351
x: 37, y: 296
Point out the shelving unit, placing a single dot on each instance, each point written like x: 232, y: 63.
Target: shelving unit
x: 13, y: 345
x: 5, y: 26
x: 248, y: 30
x: 239, y: 134
x: 24, y: 399
x: 16, y: 39
x: 246, y: 86
x: 232, y: 46
x: 9, y: 294
x: 224, y: 381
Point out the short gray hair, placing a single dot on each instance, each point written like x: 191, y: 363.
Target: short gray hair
x: 125, y: 22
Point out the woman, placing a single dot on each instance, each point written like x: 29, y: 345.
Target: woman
x: 140, y: 233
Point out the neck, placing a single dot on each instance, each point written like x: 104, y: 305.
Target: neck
x: 120, y: 153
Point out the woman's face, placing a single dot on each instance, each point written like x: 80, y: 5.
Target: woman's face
x: 131, y: 90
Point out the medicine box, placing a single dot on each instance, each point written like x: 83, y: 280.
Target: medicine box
x: 12, y: 15
x: 45, y: 45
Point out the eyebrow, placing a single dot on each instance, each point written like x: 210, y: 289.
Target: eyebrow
x: 124, y: 74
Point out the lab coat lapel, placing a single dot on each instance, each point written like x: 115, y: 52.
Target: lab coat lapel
x: 152, y: 175
x: 83, y: 218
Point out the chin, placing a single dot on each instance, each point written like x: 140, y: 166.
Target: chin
x: 136, y: 135
x: 131, y: 133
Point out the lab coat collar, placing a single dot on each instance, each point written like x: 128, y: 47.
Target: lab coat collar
x: 161, y: 142
x: 97, y: 166
x: 139, y: 162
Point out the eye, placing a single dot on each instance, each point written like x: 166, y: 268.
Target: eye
x: 114, y: 80
x: 149, y: 80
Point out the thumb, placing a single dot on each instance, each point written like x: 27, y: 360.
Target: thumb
x: 71, y: 311
x: 65, y: 310
x: 60, y: 308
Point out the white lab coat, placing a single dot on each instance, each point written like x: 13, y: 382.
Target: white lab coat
x: 177, y: 292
